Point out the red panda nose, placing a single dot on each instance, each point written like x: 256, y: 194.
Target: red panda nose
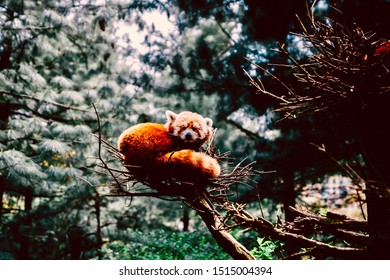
x: 188, y: 136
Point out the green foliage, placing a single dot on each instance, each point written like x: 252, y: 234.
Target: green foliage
x: 163, y: 245
x: 267, y: 249
x: 52, y: 58
x: 20, y: 168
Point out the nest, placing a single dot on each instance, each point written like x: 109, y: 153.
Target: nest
x: 123, y: 182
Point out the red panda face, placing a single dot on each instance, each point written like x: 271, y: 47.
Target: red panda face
x: 189, y: 127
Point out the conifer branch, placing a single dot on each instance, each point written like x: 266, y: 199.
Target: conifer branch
x: 59, y: 105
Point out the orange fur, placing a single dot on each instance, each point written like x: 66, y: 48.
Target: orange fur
x: 169, y: 151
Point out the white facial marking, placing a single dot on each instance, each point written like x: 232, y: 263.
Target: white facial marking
x: 176, y: 131
x: 188, y: 135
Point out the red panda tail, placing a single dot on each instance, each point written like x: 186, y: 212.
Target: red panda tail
x: 188, y: 164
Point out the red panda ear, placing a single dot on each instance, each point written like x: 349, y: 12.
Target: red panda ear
x: 171, y: 116
x: 209, y: 122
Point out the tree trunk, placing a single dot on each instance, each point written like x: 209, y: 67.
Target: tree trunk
x: 213, y: 220
x: 372, y: 122
x: 186, y: 218
x: 379, y: 227
x: 75, y: 238
x: 288, y: 192
x: 98, y: 225
x: 2, y: 187
x: 24, y: 239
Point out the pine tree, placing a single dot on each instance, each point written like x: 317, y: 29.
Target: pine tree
x: 56, y: 60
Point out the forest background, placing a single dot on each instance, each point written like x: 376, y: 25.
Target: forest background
x: 135, y: 59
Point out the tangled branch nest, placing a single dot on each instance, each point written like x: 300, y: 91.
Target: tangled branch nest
x: 124, y: 183
x: 346, y: 68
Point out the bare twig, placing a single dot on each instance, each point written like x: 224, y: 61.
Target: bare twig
x: 59, y: 105
x: 342, y: 66
x: 117, y: 183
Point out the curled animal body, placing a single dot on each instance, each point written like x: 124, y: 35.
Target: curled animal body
x: 170, y: 150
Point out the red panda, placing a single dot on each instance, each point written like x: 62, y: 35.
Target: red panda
x: 170, y: 150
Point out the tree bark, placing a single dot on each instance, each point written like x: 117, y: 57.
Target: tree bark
x: 372, y: 122
x: 288, y: 191
x: 379, y: 227
x: 99, y: 240
x: 213, y: 221
x: 24, y: 239
x: 2, y: 187
x: 186, y: 218
x: 75, y: 238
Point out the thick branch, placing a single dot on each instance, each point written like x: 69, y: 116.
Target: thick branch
x: 244, y: 219
x: 214, y: 223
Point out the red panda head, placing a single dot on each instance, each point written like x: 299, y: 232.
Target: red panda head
x: 188, y: 127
